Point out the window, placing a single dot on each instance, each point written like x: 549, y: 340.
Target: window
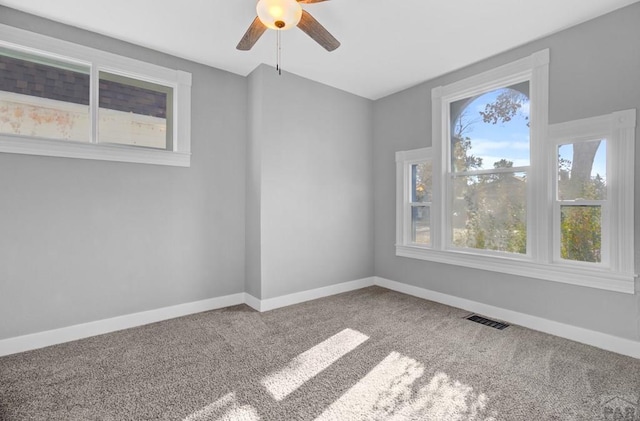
x: 415, y: 169
x: 63, y: 99
x: 489, y: 162
x: 593, y: 161
x: 513, y: 194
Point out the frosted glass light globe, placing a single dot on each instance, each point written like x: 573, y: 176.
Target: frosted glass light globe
x: 279, y: 14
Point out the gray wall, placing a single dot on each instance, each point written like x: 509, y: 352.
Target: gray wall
x: 284, y: 165
x: 316, y: 196
x: 85, y: 240
x: 594, y: 70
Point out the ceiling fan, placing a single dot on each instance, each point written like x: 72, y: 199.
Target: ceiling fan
x: 283, y: 15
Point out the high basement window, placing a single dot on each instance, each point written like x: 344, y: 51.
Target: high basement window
x: 62, y: 99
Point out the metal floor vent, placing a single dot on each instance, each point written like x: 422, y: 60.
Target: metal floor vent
x: 487, y: 322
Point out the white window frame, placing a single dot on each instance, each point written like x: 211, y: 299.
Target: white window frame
x: 52, y: 48
x: 404, y: 161
x: 539, y: 261
x: 618, y: 129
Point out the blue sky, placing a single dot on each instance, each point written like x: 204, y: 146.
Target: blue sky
x: 510, y: 140
x: 493, y: 142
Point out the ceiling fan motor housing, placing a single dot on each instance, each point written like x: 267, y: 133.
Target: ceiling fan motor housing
x: 279, y: 14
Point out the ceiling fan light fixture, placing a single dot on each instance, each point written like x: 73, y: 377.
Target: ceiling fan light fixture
x: 279, y: 14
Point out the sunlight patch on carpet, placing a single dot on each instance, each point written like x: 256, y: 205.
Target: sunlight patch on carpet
x: 308, y: 364
x: 226, y: 408
x: 389, y: 392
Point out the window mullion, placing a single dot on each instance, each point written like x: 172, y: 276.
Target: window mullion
x: 401, y: 202
x: 408, y: 208
x: 438, y: 113
x: 94, y: 101
x: 539, y: 197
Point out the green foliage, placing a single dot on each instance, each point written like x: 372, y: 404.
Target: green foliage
x: 495, y: 213
x: 508, y: 103
x: 503, y: 163
x: 422, y: 175
x: 581, y: 233
x: 463, y: 160
x: 580, y: 226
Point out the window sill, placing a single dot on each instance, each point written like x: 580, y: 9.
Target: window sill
x: 594, y: 278
x: 103, y: 152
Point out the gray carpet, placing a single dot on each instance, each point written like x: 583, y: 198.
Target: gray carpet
x: 371, y: 354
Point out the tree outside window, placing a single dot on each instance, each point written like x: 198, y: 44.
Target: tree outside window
x: 489, y: 166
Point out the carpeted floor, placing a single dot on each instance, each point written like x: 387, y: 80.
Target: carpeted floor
x: 371, y: 354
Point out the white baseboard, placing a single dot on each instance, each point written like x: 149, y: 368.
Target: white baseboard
x: 574, y: 333
x: 72, y: 333
x: 312, y: 294
x: 84, y: 330
x: 252, y: 301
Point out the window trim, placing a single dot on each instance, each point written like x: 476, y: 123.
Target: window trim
x: 97, y: 60
x: 539, y: 262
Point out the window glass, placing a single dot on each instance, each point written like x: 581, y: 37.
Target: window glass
x: 42, y: 97
x: 582, y: 171
x: 489, y: 156
x: 489, y: 212
x: 421, y: 225
x: 491, y: 128
x: 421, y: 182
x: 135, y: 112
x: 581, y: 233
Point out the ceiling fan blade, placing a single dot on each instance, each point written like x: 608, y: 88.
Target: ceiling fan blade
x: 310, y: 1
x: 255, y: 31
x: 316, y: 31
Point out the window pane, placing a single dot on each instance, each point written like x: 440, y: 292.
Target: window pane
x: 135, y: 112
x: 420, y: 225
x: 581, y: 233
x: 421, y: 182
x: 582, y: 171
x: 41, y: 97
x: 489, y: 212
x: 491, y: 130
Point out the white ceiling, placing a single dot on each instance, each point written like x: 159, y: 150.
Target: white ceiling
x: 387, y: 45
